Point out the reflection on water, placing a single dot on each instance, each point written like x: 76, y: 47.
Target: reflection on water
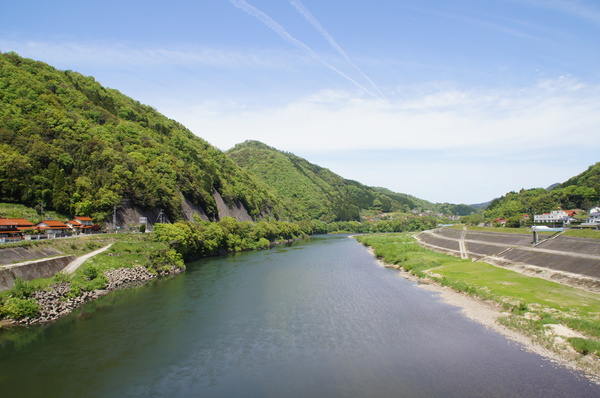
x: 316, y: 318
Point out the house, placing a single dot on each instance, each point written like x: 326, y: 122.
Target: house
x: 555, y: 216
x: 22, y: 223
x: 594, y: 217
x: 53, y: 228
x: 81, y: 224
x: 500, y: 220
x: 9, y: 231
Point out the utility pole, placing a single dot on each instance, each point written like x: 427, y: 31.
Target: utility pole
x: 161, y: 217
x: 115, y: 219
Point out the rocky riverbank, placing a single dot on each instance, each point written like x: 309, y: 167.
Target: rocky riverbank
x: 56, y: 301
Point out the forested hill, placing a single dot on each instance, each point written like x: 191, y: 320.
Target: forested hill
x: 579, y: 192
x: 588, y: 179
x: 310, y: 191
x: 80, y: 149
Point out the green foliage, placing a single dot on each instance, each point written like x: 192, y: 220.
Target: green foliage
x: 580, y: 192
x: 310, y: 192
x: 164, y: 259
x: 80, y: 148
x: 531, y: 303
x: 90, y: 272
x: 228, y: 235
x: 90, y: 277
x: 22, y: 288
x: 61, y: 277
x: 585, y: 346
x: 18, y: 308
x: 402, y: 250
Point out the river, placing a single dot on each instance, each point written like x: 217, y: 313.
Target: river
x: 317, y: 318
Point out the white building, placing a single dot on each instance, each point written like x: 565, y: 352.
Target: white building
x: 594, y: 216
x: 554, y: 216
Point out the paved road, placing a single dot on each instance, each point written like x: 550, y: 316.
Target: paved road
x: 73, y: 265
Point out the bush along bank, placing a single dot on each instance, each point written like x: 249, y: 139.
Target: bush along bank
x: 132, y: 261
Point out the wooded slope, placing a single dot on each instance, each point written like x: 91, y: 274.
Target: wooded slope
x: 80, y: 148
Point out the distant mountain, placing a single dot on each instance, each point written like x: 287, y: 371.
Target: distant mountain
x: 313, y: 192
x: 481, y: 205
x: 79, y: 148
x: 70, y: 145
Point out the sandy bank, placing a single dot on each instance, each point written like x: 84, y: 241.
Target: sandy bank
x: 487, y: 314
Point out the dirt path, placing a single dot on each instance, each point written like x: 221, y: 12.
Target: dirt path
x: 73, y: 265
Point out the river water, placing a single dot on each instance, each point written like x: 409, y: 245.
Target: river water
x: 318, y: 318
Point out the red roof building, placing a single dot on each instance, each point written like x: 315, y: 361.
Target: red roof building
x: 9, y: 231
x: 81, y: 224
x: 53, y: 227
x: 22, y: 223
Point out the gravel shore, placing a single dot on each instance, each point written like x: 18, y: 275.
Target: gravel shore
x: 487, y: 314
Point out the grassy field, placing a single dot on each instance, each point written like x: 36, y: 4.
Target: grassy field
x: 531, y: 303
x: 12, y: 210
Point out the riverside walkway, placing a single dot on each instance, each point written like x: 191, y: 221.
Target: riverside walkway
x: 73, y: 265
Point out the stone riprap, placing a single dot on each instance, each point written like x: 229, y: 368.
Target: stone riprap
x: 55, y: 302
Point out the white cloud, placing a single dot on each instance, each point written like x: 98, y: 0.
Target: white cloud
x: 116, y: 55
x: 537, y: 117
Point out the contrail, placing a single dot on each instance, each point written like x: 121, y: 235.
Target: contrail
x: 313, y: 21
x: 277, y: 28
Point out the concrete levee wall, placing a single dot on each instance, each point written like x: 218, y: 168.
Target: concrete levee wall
x: 559, y: 261
x: 20, y: 254
x: 30, y: 270
x: 579, y: 256
x: 578, y: 245
x: 506, y: 239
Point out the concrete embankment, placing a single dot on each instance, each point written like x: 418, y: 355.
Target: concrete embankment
x: 14, y: 255
x: 45, y: 268
x: 572, y: 261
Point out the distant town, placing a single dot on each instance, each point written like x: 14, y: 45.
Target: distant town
x: 562, y: 218
x: 18, y: 229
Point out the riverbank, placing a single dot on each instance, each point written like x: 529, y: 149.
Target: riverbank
x: 127, y: 260
x: 58, y: 299
x: 540, y: 328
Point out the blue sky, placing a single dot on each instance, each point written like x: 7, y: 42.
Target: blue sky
x: 451, y: 101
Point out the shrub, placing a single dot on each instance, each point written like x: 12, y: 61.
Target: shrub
x: 74, y: 289
x: 18, y: 308
x: 22, y: 288
x: 90, y: 278
x: 263, y: 243
x: 164, y: 258
x: 91, y: 272
x: 61, y: 277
